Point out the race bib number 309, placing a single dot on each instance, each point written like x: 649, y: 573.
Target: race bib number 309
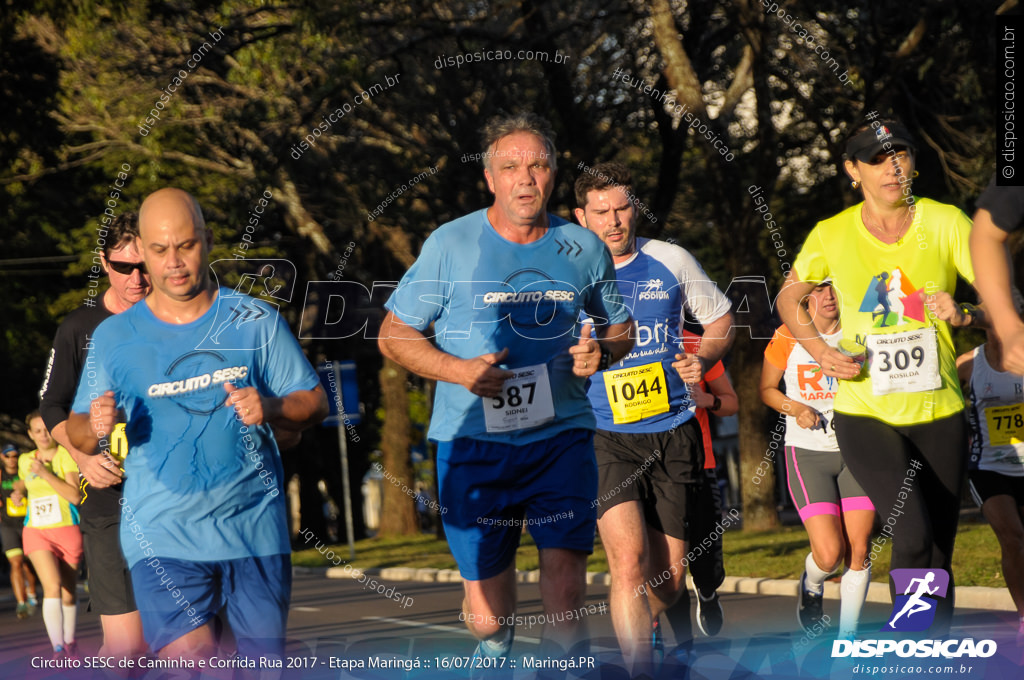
x: 904, y: 362
x: 524, y: 402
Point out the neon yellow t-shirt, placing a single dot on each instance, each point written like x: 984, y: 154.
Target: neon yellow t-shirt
x: 46, y: 508
x: 903, y: 381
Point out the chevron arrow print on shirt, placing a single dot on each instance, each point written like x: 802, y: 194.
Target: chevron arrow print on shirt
x: 567, y: 246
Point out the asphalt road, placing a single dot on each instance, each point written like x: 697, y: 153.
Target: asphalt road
x: 340, y: 629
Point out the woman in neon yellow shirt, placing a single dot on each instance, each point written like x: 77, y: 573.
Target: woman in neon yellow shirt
x: 894, y: 260
x: 52, y: 539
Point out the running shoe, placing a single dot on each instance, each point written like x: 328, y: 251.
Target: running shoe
x: 481, y: 664
x: 22, y: 610
x: 71, y: 651
x: 808, y: 606
x: 58, y: 653
x: 709, y: 614
x: 657, y: 645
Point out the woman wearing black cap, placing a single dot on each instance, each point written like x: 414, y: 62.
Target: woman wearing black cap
x: 893, y: 259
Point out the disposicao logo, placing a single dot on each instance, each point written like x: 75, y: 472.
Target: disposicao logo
x: 914, y: 610
x: 918, y: 593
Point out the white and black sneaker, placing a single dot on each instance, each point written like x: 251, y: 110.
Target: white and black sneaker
x: 808, y: 605
x: 709, y: 613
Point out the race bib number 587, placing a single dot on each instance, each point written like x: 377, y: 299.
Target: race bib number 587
x: 524, y: 402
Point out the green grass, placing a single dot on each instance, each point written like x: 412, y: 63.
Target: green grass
x: 423, y: 551
x: 781, y: 553
x: 773, y: 554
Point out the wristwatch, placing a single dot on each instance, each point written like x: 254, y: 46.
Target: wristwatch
x: 606, y: 359
x: 967, y: 309
x: 717, y: 404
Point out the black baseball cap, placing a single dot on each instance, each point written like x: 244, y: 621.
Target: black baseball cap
x: 871, y: 142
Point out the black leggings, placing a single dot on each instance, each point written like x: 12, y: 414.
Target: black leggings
x: 924, y: 522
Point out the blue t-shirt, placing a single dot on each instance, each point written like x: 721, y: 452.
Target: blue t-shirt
x: 199, y: 484
x: 659, y: 284
x: 484, y: 293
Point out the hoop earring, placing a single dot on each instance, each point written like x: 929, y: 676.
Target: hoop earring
x: 854, y: 184
x: 916, y: 173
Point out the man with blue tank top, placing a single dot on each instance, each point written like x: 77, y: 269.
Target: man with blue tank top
x: 204, y: 516
x: 503, y: 289
x: 649, y: 446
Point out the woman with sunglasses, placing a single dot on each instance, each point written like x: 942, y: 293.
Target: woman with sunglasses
x: 893, y: 259
x: 13, y: 508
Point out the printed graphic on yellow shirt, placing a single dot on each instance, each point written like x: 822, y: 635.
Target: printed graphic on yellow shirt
x: 892, y: 299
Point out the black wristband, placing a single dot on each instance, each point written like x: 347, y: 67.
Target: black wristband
x: 717, y: 404
x: 606, y: 359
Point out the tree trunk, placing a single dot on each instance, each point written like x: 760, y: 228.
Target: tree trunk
x: 757, y: 458
x: 398, y: 514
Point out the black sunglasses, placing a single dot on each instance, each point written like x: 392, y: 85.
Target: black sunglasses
x: 127, y: 268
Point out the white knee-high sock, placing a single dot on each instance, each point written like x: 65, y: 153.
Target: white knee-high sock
x: 52, y: 619
x: 815, y: 575
x: 853, y: 592
x: 70, y: 618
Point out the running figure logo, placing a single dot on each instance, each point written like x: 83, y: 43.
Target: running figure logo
x: 914, y: 610
x: 892, y: 299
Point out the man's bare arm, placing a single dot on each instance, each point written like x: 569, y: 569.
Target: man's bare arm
x: 296, y: 410
x: 99, y: 471
x: 992, y: 271
x: 716, y: 341
x: 409, y: 348
x: 617, y: 338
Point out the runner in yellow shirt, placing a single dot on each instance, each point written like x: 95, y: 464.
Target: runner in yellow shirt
x: 894, y: 261
x: 52, y: 539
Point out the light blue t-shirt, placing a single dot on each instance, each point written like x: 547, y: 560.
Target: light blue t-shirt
x: 484, y: 293
x: 660, y: 283
x: 199, y: 484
